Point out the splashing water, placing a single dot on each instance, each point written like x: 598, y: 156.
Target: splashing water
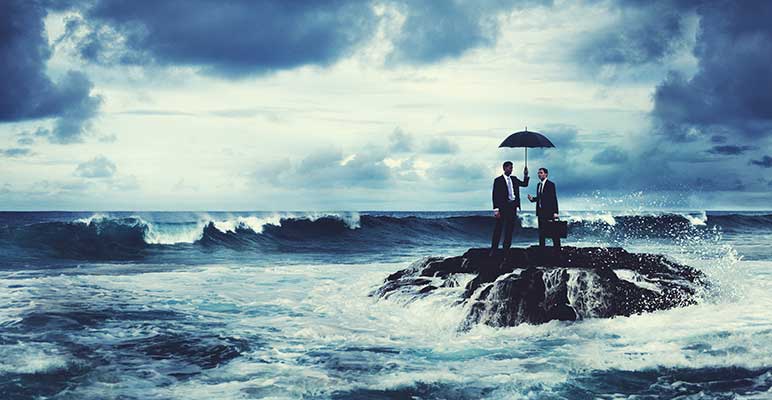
x: 244, y: 323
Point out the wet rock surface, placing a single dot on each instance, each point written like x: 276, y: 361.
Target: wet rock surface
x: 536, y: 285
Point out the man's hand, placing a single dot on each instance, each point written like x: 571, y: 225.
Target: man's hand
x: 555, y: 216
x: 525, y: 171
x: 496, y: 213
x: 530, y: 197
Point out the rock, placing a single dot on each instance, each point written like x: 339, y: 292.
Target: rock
x: 536, y: 285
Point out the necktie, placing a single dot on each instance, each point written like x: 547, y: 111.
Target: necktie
x: 541, y: 187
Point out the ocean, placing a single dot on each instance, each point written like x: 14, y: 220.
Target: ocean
x: 248, y: 305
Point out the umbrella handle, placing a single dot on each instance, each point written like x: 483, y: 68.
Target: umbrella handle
x: 526, y: 157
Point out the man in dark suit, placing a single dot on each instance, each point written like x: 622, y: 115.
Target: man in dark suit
x: 506, y: 201
x: 546, y: 206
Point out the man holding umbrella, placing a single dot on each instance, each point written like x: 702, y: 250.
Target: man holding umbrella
x: 506, y: 201
x: 506, y: 188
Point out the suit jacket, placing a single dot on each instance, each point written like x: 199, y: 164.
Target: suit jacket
x: 548, y: 206
x: 501, y: 194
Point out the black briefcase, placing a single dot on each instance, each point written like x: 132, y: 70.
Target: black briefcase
x: 557, y: 229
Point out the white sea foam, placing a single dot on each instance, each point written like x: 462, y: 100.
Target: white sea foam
x: 172, y: 234
x: 529, y: 220
x: 31, y: 358
x: 605, y: 218
x: 636, y: 278
x: 585, y: 295
x: 190, y: 232
x: 258, y: 223
x: 255, y: 224
x: 92, y: 218
x: 314, y: 331
x: 697, y: 220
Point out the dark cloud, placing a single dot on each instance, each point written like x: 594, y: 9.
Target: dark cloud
x: 731, y: 93
x: 564, y: 137
x: 75, y: 119
x: 98, y: 167
x: 610, y: 155
x: 643, y: 33
x: 718, y: 139
x: 232, y: 39
x: 15, y: 152
x: 436, y: 30
x: 765, y: 162
x: 440, y: 145
x: 26, y: 91
x: 244, y: 37
x: 730, y: 150
x: 728, y: 95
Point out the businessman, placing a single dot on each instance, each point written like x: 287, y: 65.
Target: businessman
x: 546, y: 206
x: 506, y: 201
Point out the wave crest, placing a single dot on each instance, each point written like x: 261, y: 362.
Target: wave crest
x: 103, y: 236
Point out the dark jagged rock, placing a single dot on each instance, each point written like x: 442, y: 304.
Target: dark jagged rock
x: 536, y: 285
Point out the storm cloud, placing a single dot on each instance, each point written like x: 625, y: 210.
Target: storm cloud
x: 230, y: 39
x: 241, y: 37
x: 643, y: 33
x: 730, y: 150
x: 214, y: 95
x: 437, y: 30
x: 765, y: 162
x: 28, y: 93
x: 610, y: 155
x: 731, y: 92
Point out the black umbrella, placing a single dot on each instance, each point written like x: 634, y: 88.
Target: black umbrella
x: 526, y: 139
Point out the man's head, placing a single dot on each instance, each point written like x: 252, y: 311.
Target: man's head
x: 543, y: 173
x: 507, y: 168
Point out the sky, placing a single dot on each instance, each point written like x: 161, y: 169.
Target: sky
x: 382, y: 105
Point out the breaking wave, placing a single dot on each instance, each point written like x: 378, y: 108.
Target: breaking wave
x: 106, y: 236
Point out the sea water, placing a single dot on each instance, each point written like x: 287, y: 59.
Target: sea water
x: 276, y: 305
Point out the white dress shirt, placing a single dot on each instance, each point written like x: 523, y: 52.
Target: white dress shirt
x: 541, y: 189
x: 510, y: 189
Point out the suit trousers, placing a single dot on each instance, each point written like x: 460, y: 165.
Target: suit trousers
x: 543, y: 221
x: 505, y: 221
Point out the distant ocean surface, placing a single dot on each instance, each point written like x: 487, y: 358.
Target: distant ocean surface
x: 192, y: 305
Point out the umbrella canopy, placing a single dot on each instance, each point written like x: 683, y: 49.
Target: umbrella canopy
x: 526, y: 139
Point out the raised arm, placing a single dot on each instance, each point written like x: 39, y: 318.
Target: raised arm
x: 526, y: 178
x: 524, y: 182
